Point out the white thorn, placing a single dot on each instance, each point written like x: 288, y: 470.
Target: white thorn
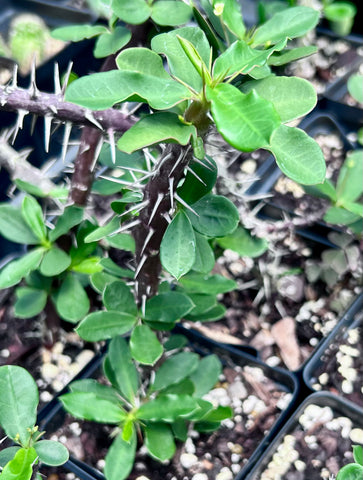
x: 171, y: 192
x: 47, y: 127
x: 33, y: 122
x: 97, y: 152
x: 66, y: 78
x: 53, y: 109
x: 196, y: 160
x: 167, y: 217
x: 19, y: 123
x: 143, y: 303
x: 136, y: 287
x: 57, y: 84
x: 147, y: 239
x: 14, y: 82
x: 136, y: 208
x: 156, y: 206
x: 111, y: 139
x: 91, y: 118
x: 180, y: 200
x: 66, y: 135
x: 176, y: 163
x: 34, y: 92
x: 140, y: 265
x: 128, y: 226
x: 196, y: 176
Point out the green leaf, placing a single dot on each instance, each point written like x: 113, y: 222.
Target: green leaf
x: 244, y: 121
x: 278, y: 59
x: 14, y: 271
x: 30, y: 302
x: 242, y: 242
x: 7, y: 454
x: 135, y: 12
x: 175, y: 342
x: 292, y: 97
x: 154, y: 129
x: 203, y: 303
x: 217, y: 216
x: 117, y: 296
x: 355, y: 87
x: 13, y: 227
x: 33, y: 216
x: 122, y: 241
x: 206, y: 375
x: 298, y: 155
x: 76, y: 33
x: 20, y: 467
x: 352, y: 471
x: 171, y: 13
x: 196, y: 185
x: 102, y: 325
x: 174, y: 369
x: 167, y: 408
x: 88, y: 406
x: 111, y: 42
x: 185, y: 386
x: 207, y: 284
x: 145, y: 346
x: 89, y: 385
x: 120, y: 458
x: 71, y: 301
x: 290, y: 23
x: 19, y: 400
x: 356, y: 208
x: 178, y: 61
x: 124, y: 374
x: 99, y: 91
x: 358, y: 454
x: 55, y: 261
x: 51, y: 452
x: 177, y: 249
x: 71, y: 217
x: 88, y: 266
x: 349, y: 184
x: 99, y: 280
x: 204, y: 255
x: 215, y: 313
x: 340, y: 216
x: 232, y: 18
x: 241, y: 58
x: 159, y: 441
x: 168, y: 307
x: 102, y: 232
x: 111, y: 267
x: 322, y: 190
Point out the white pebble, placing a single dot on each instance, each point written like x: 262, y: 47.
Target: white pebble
x: 356, y: 435
x: 200, y: 476
x: 225, y: 474
x: 189, y: 446
x: 187, y: 460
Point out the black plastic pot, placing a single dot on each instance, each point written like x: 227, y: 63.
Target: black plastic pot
x: 53, y: 416
x: 328, y: 355
x: 333, y: 102
x: 339, y: 407
x: 269, y: 173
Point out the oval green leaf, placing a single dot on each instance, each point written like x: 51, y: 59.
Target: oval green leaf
x: 14, y: 271
x: 298, y: 155
x: 117, y: 296
x: 168, y: 307
x: 55, y: 261
x: 71, y: 301
x: 30, y: 302
x: 177, y: 249
x: 102, y: 325
x: 145, y: 346
x: 159, y: 441
x: 51, y: 453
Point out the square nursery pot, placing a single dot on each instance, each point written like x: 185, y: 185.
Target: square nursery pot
x: 335, y: 57
x: 285, y: 197
x: 315, y: 442
x: 337, y: 365
x: 340, y: 104
x: 260, y: 396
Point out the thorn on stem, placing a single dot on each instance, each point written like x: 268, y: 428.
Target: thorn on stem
x: 180, y: 200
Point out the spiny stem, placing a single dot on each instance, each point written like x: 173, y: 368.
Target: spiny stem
x: 152, y: 218
x: 53, y: 105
